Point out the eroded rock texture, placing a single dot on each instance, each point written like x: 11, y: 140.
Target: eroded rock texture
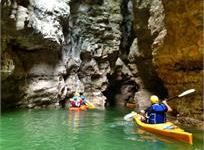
x: 169, y: 49
x: 140, y: 55
x: 50, y: 51
x: 31, y: 61
x: 92, y: 45
x: 178, y: 54
x: 124, y: 50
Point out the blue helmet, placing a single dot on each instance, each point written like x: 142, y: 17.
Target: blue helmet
x: 83, y: 97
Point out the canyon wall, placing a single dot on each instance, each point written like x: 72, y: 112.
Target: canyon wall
x: 178, y: 55
x: 170, y: 37
x: 112, y: 51
x: 32, y: 35
x: 50, y: 50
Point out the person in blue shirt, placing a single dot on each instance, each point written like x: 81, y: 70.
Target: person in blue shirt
x: 156, y: 113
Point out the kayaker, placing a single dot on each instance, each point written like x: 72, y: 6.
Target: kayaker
x: 76, y: 101
x: 156, y: 113
x: 83, y: 98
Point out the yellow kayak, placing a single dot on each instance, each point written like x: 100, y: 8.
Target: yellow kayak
x: 167, y: 129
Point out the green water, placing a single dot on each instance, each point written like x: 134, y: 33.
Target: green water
x: 89, y: 130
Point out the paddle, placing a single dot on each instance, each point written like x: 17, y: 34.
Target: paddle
x: 182, y: 94
x: 89, y: 104
x: 129, y: 116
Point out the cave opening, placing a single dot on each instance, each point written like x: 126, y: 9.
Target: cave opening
x: 122, y: 85
x: 121, y: 89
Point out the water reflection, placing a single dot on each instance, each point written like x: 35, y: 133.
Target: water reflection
x: 74, y: 119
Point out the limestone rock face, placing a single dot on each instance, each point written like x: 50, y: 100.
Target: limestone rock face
x: 92, y: 42
x: 169, y: 48
x: 178, y: 54
x: 148, y: 21
x: 50, y: 50
x: 121, y: 49
x: 31, y: 62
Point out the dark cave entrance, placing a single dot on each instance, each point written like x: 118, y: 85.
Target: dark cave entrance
x: 121, y: 88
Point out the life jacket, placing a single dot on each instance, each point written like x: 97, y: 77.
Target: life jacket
x: 156, y: 114
x: 83, y: 99
x: 77, y: 102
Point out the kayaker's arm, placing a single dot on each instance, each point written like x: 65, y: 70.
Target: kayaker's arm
x: 144, y: 115
x: 169, y: 109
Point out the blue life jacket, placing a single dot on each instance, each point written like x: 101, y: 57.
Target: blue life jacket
x: 156, y: 114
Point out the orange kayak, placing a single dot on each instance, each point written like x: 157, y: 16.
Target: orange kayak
x: 83, y: 107
x: 167, y: 129
x: 131, y: 105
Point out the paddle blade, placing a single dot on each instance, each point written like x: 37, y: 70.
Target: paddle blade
x: 186, y: 92
x: 129, y: 116
x: 90, y: 105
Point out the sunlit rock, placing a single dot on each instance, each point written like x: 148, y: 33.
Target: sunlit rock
x: 168, y: 37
